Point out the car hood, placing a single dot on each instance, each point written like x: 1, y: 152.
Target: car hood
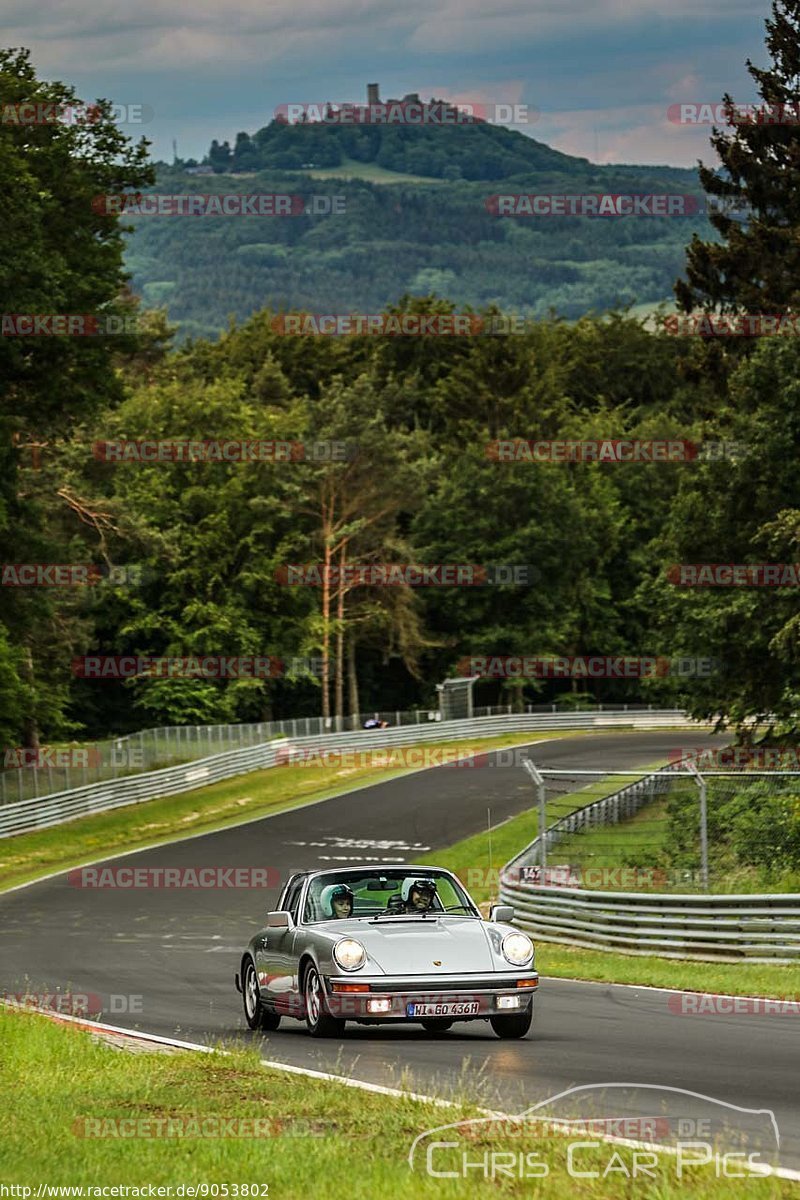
x: 414, y: 946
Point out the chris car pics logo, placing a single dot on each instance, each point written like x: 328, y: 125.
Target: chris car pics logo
x: 606, y: 1131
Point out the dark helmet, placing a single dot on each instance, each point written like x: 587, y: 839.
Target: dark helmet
x: 423, y: 886
x: 335, y: 891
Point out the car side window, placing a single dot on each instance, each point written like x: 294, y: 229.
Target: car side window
x: 292, y: 902
x: 288, y: 890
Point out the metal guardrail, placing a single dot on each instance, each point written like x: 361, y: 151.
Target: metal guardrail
x: 759, y: 928
x: 44, y: 811
x: 64, y: 768
x: 60, y: 769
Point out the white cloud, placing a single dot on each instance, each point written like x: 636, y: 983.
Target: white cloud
x: 626, y: 134
x: 186, y: 33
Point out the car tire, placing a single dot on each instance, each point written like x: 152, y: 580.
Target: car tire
x: 255, y: 1014
x: 436, y: 1024
x: 318, y: 1020
x: 515, y: 1026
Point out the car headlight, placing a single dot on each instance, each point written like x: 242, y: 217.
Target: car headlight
x: 349, y: 954
x: 517, y: 948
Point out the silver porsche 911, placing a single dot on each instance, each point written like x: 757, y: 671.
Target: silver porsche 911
x: 378, y: 944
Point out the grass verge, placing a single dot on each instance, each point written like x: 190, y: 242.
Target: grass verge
x: 87, y: 1115
x: 28, y: 856
x: 732, y: 979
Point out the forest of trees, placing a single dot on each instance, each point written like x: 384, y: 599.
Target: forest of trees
x: 406, y: 237
x: 468, y: 151
x: 210, y: 540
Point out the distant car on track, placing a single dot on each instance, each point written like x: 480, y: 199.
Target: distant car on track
x: 378, y: 944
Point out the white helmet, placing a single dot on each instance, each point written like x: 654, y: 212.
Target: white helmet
x: 335, y: 891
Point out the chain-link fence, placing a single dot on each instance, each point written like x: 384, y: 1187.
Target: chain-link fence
x: 61, y: 768
x: 673, y: 830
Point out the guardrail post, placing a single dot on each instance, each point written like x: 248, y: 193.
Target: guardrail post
x: 703, y: 789
x: 703, y: 833
x: 542, y: 798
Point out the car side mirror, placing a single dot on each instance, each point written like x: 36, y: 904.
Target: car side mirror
x: 278, y: 920
x: 501, y: 912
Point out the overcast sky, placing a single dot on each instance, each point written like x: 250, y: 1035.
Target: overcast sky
x: 601, y: 73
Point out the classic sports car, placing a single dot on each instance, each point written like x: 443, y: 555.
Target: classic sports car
x: 380, y: 944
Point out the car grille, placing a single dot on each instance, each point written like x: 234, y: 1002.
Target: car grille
x: 483, y: 983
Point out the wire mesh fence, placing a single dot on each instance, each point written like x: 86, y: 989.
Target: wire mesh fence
x: 673, y: 830
x: 55, y: 769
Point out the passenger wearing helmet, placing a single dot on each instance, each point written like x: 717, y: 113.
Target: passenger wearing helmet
x: 337, y: 901
x: 417, y: 895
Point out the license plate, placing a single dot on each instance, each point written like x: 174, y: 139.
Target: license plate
x: 464, y: 1008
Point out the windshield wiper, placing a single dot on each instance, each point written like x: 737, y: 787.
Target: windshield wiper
x: 394, y: 916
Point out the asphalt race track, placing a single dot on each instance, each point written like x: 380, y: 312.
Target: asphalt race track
x: 178, y: 950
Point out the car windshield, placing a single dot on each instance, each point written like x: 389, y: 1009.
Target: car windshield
x: 390, y: 892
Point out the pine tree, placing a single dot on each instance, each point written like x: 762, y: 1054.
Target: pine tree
x: 756, y: 267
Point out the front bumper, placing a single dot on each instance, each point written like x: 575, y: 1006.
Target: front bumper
x: 471, y: 999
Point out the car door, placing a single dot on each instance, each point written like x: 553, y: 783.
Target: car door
x: 278, y: 967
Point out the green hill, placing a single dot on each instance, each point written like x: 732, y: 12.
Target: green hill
x: 474, y: 151
x: 409, y: 226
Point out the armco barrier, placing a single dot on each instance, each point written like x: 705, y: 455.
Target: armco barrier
x: 727, y: 928
x: 760, y: 928
x: 26, y: 815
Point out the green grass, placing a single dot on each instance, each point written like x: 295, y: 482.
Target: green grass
x: 30, y: 855
x: 632, y: 842
x: 314, y: 1137
x: 732, y: 979
x: 350, y: 168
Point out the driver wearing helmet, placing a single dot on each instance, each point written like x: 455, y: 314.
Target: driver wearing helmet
x: 417, y: 895
x: 337, y: 901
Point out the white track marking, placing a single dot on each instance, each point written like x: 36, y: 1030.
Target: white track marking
x: 648, y: 987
